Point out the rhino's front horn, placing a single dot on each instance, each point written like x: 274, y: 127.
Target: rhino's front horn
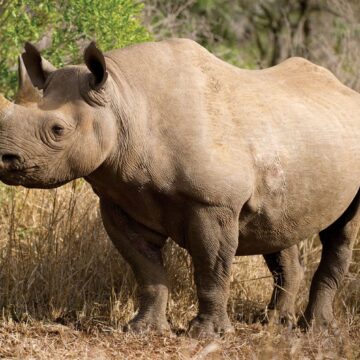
x: 4, y: 103
x: 6, y: 108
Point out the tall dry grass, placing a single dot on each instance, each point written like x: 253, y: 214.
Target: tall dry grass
x: 57, y: 264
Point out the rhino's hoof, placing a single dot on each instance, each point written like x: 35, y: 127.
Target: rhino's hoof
x: 203, y: 327
x: 142, y: 326
x: 304, y: 324
x: 285, y: 318
x: 318, y: 324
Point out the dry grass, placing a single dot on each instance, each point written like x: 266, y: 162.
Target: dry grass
x: 65, y: 292
x: 45, y: 341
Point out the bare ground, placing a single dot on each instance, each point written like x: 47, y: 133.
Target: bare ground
x: 53, y: 341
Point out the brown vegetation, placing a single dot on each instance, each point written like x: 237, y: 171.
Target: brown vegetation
x: 65, y: 291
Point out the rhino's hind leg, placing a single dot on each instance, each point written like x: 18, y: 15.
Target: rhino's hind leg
x: 141, y: 248
x: 287, y: 272
x: 337, y: 241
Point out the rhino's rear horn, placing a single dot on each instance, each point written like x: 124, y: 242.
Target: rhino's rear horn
x: 95, y: 61
x: 26, y: 92
x: 37, y: 67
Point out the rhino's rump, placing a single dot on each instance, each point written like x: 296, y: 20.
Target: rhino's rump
x: 306, y: 166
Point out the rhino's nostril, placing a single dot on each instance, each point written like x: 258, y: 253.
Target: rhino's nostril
x: 11, y: 159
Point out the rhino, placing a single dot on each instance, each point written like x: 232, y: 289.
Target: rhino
x: 225, y: 161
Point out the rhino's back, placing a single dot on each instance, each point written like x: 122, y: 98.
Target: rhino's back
x: 186, y: 86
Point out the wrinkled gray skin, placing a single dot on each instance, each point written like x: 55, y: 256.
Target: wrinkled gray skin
x: 176, y: 143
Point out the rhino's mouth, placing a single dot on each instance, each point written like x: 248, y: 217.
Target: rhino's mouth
x: 28, y: 177
x: 16, y: 176
x: 31, y: 183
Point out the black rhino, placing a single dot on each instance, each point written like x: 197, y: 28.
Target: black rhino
x: 225, y: 161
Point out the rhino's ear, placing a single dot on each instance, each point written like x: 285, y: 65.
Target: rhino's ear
x: 26, y: 91
x: 95, y: 61
x: 38, y: 69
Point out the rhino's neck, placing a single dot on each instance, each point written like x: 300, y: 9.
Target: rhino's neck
x: 132, y: 151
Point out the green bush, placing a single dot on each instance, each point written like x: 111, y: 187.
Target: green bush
x: 63, y: 28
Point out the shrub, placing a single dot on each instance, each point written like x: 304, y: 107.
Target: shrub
x: 62, y: 28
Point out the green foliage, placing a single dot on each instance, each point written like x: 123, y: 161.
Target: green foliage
x: 63, y: 28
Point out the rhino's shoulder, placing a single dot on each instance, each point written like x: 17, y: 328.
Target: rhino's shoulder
x: 180, y: 42
x: 174, y: 47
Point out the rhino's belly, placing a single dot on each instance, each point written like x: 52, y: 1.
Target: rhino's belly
x: 260, y: 237
x: 280, y: 224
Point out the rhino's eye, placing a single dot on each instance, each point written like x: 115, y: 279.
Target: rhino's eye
x: 57, y: 130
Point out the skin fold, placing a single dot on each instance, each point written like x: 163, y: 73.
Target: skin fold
x: 225, y: 161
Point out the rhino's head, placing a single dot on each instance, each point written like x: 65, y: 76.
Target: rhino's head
x: 64, y: 133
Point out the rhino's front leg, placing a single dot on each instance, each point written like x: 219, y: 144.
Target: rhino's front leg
x: 141, y: 248
x: 212, y: 243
